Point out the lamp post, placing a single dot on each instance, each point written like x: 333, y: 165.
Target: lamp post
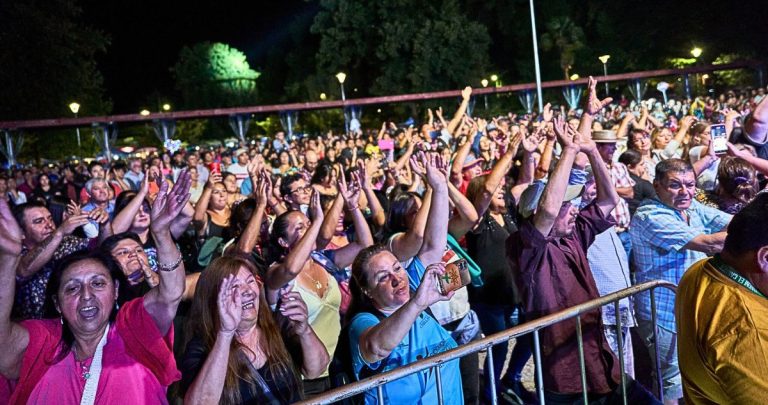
x: 495, y: 80
x: 696, y: 51
x: 166, y: 107
x: 536, y: 58
x: 75, y: 107
x: 604, y: 59
x: 484, y: 82
x: 341, y: 77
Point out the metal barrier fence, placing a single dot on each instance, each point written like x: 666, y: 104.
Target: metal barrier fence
x: 377, y: 382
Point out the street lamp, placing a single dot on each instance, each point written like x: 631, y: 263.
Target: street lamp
x: 144, y: 112
x: 341, y: 76
x: 536, y: 57
x: 696, y: 51
x: 495, y: 80
x: 166, y: 107
x: 484, y: 82
x: 75, y: 107
x: 323, y: 96
x: 604, y: 59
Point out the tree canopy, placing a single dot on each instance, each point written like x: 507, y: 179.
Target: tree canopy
x: 49, y: 60
x: 400, y: 46
x: 212, y: 75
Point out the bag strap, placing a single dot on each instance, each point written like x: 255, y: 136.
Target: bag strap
x: 92, y: 383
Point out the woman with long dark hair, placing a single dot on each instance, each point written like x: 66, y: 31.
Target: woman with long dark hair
x: 238, y: 354
x: 298, y: 260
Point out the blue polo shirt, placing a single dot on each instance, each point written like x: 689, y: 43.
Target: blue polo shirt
x: 425, y: 338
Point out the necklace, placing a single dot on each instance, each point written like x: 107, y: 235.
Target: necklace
x: 85, y: 369
x: 318, y: 285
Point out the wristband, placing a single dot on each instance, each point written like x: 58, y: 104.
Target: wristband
x: 170, y: 267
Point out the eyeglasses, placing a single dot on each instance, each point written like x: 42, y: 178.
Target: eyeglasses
x: 305, y: 189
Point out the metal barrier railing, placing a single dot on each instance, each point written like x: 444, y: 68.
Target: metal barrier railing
x: 488, y: 342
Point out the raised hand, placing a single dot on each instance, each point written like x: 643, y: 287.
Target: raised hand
x: 98, y: 215
x: 687, y: 121
x: 433, y: 164
x: 594, y: 105
x: 566, y: 135
x: 428, y: 292
x: 254, y: 166
x: 73, y: 222
x: 293, y: 308
x: 276, y: 189
x: 532, y: 141
x: 466, y: 93
x: 144, y: 186
x: 263, y: 188
x: 315, y: 208
x: 417, y: 165
x: 439, y: 112
x: 168, y: 204
x: 362, y: 174
x: 351, y: 195
x: 514, y: 142
x: 213, y: 178
x: 10, y: 232
x: 547, y: 114
x: 230, y: 305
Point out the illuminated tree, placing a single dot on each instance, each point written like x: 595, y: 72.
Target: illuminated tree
x: 212, y: 75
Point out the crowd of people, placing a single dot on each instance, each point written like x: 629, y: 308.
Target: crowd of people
x: 280, y: 270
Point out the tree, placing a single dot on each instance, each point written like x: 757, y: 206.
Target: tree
x: 48, y: 57
x: 565, y: 36
x: 211, y: 75
x: 400, y: 46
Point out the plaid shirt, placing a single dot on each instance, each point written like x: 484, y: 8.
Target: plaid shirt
x: 658, y: 235
x: 620, y: 177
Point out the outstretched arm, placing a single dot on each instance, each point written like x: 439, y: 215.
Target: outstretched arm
x: 757, y: 125
x: 14, y: 339
x: 351, y: 197
x: 377, y: 342
x: 436, y: 233
x: 124, y: 218
x: 161, y: 302
x: 454, y: 123
x: 294, y: 261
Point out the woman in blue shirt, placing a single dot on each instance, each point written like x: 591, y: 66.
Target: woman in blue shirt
x: 390, y: 326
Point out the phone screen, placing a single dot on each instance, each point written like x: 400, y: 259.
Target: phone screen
x: 719, y: 138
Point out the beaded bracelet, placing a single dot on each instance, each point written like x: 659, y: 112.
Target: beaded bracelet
x: 170, y: 267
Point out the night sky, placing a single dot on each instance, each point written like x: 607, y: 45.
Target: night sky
x: 146, y: 37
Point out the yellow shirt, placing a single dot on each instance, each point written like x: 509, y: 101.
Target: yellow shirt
x: 722, y: 339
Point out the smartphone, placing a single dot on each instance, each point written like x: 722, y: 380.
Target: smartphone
x: 719, y: 138
x: 456, y: 276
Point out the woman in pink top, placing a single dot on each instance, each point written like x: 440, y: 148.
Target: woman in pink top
x: 96, y: 352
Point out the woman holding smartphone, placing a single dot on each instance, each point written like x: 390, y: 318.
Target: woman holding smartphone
x: 390, y: 325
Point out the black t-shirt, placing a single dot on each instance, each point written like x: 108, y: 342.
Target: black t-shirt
x: 643, y: 189
x: 277, y: 391
x: 486, y: 245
